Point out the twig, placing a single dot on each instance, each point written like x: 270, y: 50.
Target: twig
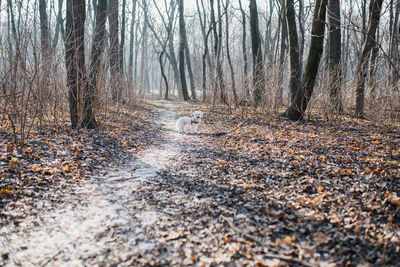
x: 52, y: 258
x: 264, y: 244
x: 288, y: 258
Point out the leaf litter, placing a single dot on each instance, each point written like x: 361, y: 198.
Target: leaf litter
x: 268, y: 193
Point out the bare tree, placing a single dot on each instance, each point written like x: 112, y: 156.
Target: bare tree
x: 75, y: 58
x: 282, y: 55
x: 44, y: 28
x: 299, y: 104
x: 182, y: 37
x: 335, y: 51
x: 244, y: 51
x: 114, y: 54
x: 206, y: 54
x: 258, y: 63
x: 169, y: 26
x: 228, y: 54
x: 189, y: 66
x: 394, y: 44
x: 59, y: 26
x: 362, y: 69
x: 122, y: 39
x: 294, y: 56
x: 131, y: 43
x: 95, y: 57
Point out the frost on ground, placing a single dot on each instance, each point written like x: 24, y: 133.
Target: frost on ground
x: 198, y: 199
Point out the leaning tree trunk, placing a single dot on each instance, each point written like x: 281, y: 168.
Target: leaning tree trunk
x: 75, y: 57
x: 335, y: 51
x: 299, y: 104
x: 258, y: 63
x: 369, y: 43
x: 294, y: 56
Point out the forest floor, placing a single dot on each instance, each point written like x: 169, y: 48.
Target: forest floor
x: 260, y: 191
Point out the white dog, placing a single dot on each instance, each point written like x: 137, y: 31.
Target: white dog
x: 192, y: 121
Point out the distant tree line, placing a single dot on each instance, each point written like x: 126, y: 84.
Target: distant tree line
x: 275, y: 54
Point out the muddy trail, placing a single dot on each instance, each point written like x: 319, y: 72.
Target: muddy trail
x: 178, y: 203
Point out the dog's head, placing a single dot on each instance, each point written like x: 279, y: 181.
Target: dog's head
x: 198, y: 115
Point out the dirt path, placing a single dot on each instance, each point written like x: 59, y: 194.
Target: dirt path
x: 124, y: 215
x: 206, y: 201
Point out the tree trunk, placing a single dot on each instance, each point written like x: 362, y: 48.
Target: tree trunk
x: 114, y: 55
x: 189, y: 67
x: 13, y: 30
x: 302, y: 33
x: 144, y: 60
x: 206, y: 54
x: 282, y: 55
x: 217, y: 34
x: 132, y: 40
x: 95, y: 57
x: 364, y: 19
x: 299, y: 104
x: 182, y: 51
x: 44, y: 28
x: 59, y: 26
x: 171, y: 51
x: 215, y: 47
x: 228, y: 54
x: 258, y: 63
x: 122, y: 41
x: 75, y: 57
x: 244, y: 51
x: 220, y: 75
x: 335, y: 51
x: 294, y: 57
x: 160, y: 60
x: 394, y: 45
x: 362, y: 69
